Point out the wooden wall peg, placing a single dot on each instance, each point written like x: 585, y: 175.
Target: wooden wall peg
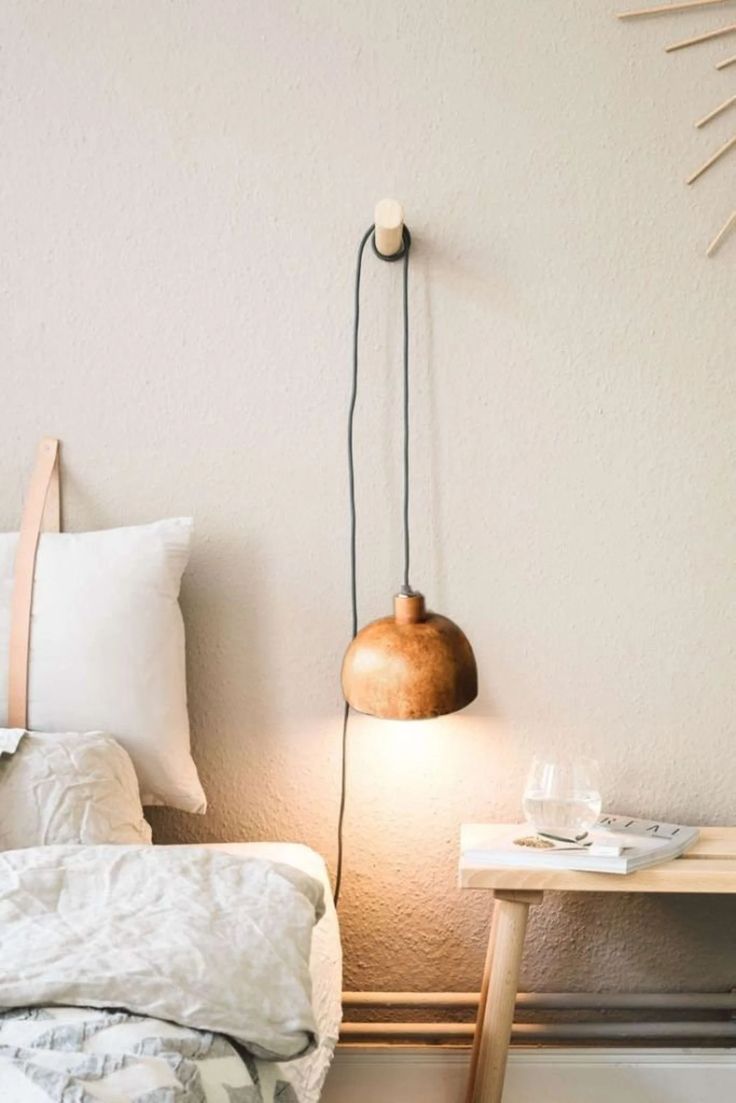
x: 389, y: 222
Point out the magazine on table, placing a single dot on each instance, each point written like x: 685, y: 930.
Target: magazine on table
x: 617, y: 844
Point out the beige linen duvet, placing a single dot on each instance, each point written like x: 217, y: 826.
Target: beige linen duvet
x: 188, y: 948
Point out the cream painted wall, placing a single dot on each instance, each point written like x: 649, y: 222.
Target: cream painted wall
x: 183, y: 188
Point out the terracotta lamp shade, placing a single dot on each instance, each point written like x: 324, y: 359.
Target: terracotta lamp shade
x: 412, y: 666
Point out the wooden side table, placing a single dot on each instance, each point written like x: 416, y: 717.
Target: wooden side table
x: 710, y: 866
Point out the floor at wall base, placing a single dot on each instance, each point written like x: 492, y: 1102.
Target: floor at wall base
x: 416, y: 1074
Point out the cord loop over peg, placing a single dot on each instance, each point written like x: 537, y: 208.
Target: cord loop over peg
x: 391, y: 237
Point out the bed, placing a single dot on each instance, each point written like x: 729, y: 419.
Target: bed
x: 133, y: 973
x: 307, y: 1074
x: 50, y: 1051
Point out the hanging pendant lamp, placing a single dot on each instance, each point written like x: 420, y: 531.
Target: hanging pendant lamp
x: 415, y: 664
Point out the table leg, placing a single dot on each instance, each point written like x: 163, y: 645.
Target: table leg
x: 495, y: 1019
x: 475, y: 1055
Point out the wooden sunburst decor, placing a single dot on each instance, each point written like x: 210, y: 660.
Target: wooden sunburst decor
x: 707, y: 36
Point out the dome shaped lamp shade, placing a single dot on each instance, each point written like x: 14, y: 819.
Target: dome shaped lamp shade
x: 414, y: 665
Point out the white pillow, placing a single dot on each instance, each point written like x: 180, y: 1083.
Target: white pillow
x: 107, y: 647
x: 67, y: 788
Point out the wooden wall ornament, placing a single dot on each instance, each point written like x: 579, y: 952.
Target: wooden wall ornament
x: 722, y: 233
x: 700, y: 38
x: 711, y: 35
x: 716, y: 111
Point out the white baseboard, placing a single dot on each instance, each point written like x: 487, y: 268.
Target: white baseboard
x: 408, y: 1074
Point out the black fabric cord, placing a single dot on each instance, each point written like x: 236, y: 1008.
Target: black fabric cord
x: 353, y: 564
x: 406, y: 588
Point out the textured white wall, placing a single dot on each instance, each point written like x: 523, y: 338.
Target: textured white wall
x: 182, y: 191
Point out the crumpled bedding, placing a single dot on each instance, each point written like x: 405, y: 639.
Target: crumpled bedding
x: 67, y: 788
x: 83, y: 1055
x: 197, y: 961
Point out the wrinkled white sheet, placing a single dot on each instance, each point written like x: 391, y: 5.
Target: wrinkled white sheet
x: 195, y: 936
x: 306, y: 1075
x: 67, y: 788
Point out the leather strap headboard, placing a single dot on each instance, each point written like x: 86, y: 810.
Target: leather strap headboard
x: 42, y: 510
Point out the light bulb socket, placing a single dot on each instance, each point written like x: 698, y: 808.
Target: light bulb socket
x: 409, y: 608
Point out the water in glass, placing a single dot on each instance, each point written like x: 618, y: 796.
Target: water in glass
x: 562, y: 796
